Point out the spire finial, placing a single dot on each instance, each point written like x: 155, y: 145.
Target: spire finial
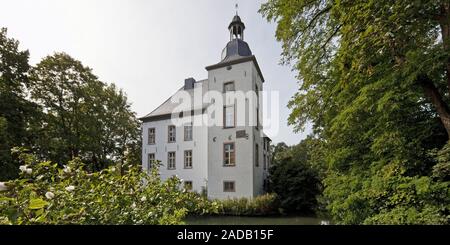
x: 236, y: 7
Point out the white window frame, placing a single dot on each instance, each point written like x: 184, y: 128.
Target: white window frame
x: 188, y: 131
x: 229, y: 154
x: 226, y: 121
x: 171, y: 134
x: 188, y: 159
x: 151, y: 137
x: 150, y: 161
x: 171, y: 160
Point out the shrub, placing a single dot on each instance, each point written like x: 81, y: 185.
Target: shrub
x: 388, y: 197
x: 294, y: 180
x: 45, y: 193
x: 261, y: 205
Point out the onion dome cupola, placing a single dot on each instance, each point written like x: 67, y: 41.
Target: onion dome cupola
x: 236, y: 47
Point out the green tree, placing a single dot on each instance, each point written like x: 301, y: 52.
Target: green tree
x: 375, y: 82
x: 84, y: 117
x: 276, y: 149
x: 293, y: 179
x: 16, y: 112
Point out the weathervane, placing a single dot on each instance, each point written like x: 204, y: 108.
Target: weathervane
x: 236, y: 7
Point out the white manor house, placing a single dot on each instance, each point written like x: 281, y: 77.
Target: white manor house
x: 209, y: 132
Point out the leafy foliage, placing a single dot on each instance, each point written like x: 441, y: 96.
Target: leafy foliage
x: 15, y: 111
x: 375, y: 84
x: 48, y: 194
x: 261, y: 205
x: 60, y: 110
x: 294, y: 180
x: 84, y: 117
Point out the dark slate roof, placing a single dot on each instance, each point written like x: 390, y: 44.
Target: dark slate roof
x: 236, y: 20
x: 165, y: 110
x: 235, y: 47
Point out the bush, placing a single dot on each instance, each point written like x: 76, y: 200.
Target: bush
x: 261, y: 205
x: 387, y: 197
x: 47, y: 194
x: 294, y: 180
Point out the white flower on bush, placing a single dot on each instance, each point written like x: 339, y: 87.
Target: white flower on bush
x: 143, y: 199
x: 3, y: 186
x: 28, y: 170
x: 133, y: 205
x: 49, y: 195
x: 70, y: 188
x: 23, y: 168
x: 67, y: 169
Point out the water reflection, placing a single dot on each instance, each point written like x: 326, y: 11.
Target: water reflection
x: 240, y: 220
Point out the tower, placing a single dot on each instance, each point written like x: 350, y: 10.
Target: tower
x: 234, y: 149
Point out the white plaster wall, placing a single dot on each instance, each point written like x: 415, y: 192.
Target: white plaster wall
x: 258, y: 172
x: 199, y: 147
x: 243, y: 172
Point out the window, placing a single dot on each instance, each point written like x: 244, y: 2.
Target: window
x: 229, y: 186
x: 188, y: 132
x: 188, y: 159
x: 172, y: 134
x: 265, y: 162
x: 188, y: 185
x: 171, y: 160
x: 257, y: 106
x: 151, y: 136
x: 266, y: 185
x: 256, y: 155
x: 229, y: 154
x: 257, y: 118
x: 150, y: 160
x: 229, y: 86
x: 228, y: 117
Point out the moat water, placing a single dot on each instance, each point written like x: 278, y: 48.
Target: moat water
x: 243, y: 220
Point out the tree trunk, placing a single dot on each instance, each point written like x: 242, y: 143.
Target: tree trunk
x: 427, y: 84
x: 436, y: 99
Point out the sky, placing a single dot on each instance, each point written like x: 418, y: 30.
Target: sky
x: 147, y: 48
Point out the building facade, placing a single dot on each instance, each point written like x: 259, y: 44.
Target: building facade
x: 209, y: 133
